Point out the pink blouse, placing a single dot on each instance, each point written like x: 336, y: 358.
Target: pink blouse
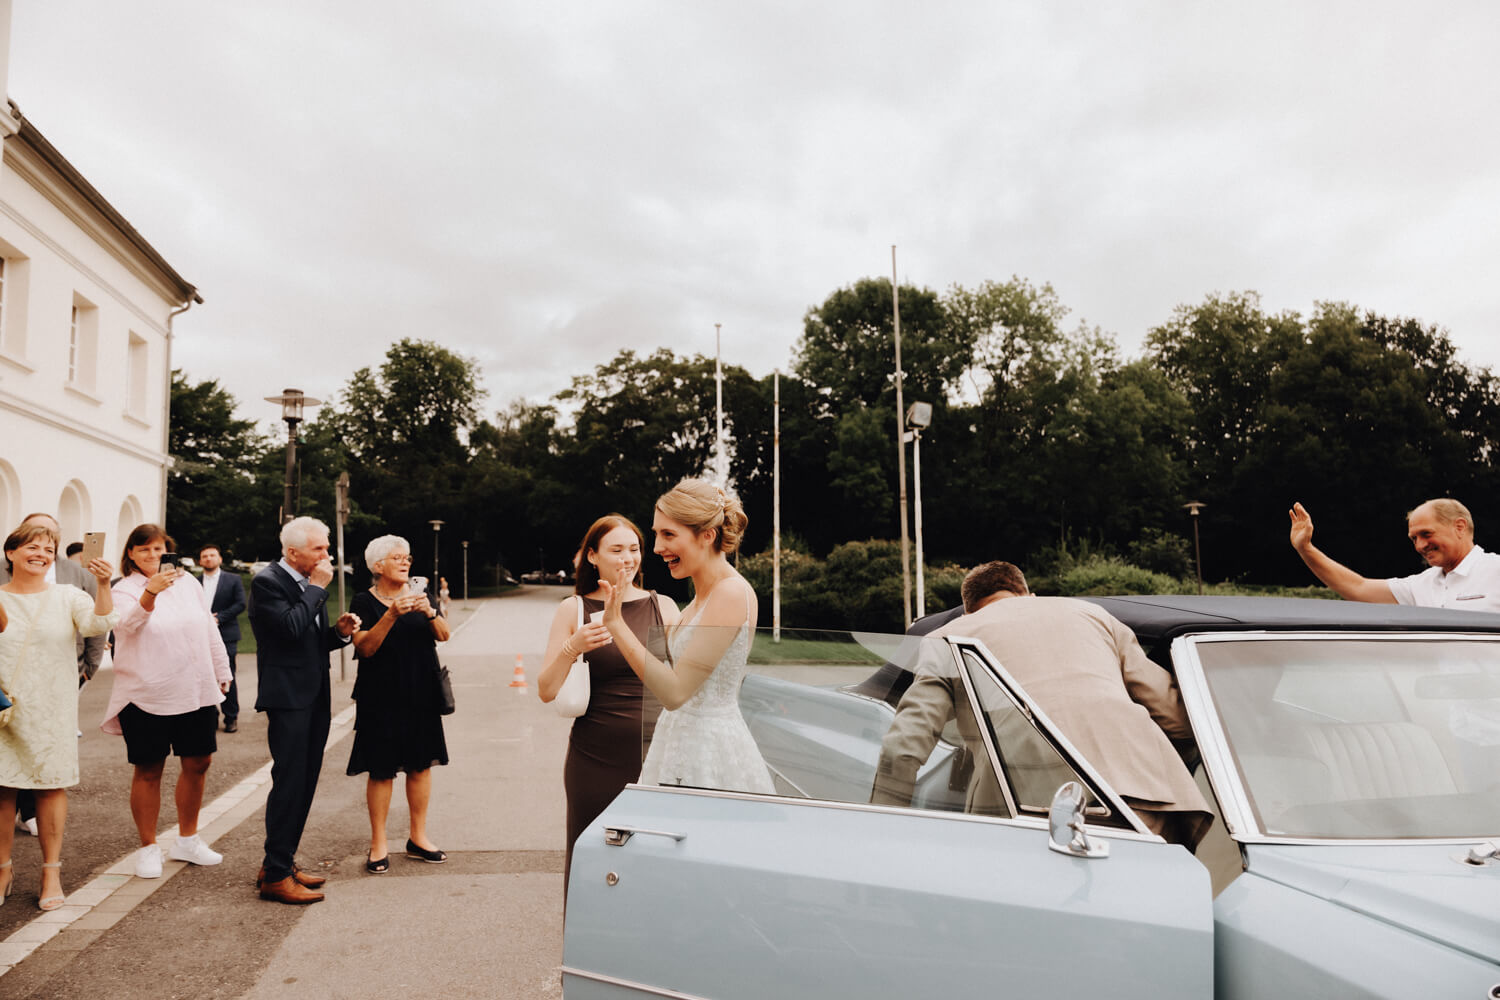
x: 168, y: 661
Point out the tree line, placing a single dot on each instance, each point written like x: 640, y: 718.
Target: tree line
x: 1044, y: 439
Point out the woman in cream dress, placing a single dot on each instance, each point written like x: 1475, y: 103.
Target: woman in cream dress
x: 39, y: 670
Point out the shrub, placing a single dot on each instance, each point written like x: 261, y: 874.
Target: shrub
x: 1162, y: 552
x: 1102, y: 575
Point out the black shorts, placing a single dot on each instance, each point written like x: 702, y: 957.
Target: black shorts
x: 149, y: 738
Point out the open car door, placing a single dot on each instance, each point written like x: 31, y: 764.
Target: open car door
x: 679, y: 892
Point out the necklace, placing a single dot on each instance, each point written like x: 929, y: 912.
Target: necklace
x: 375, y: 589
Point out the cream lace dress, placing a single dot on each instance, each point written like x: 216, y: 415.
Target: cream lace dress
x: 39, y: 749
x: 704, y: 743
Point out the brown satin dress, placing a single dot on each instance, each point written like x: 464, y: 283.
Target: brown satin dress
x: 608, y: 742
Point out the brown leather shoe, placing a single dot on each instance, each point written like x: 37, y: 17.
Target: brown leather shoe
x: 289, y: 891
x: 305, y: 879
x: 308, y: 879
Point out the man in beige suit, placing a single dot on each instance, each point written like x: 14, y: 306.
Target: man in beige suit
x: 1086, y: 671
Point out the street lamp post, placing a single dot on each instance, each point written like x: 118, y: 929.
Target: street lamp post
x: 900, y: 448
x: 292, y: 402
x: 1193, y: 508
x: 918, y: 417
x: 433, y: 588
x: 465, y: 545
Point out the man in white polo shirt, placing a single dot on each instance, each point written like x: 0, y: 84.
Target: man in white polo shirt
x: 1460, y: 574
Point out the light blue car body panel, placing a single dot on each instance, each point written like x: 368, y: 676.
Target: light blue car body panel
x: 783, y: 898
x: 776, y: 898
x: 1406, y: 920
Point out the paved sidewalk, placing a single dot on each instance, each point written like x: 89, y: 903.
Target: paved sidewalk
x: 487, y: 923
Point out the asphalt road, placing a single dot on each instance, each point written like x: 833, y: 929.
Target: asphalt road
x: 487, y: 923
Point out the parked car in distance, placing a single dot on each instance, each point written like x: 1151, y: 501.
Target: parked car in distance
x: 545, y: 576
x: 1351, y: 753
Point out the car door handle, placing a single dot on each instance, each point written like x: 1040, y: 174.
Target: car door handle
x: 616, y: 836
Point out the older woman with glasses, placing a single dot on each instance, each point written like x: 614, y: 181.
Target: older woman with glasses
x: 398, y: 724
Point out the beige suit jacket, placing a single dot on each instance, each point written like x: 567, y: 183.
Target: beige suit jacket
x: 1086, y: 671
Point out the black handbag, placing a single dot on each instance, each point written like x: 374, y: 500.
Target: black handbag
x: 445, y: 691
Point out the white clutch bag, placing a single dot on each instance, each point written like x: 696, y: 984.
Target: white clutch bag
x: 573, y: 697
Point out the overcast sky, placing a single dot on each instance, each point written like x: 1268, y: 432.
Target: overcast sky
x: 538, y: 186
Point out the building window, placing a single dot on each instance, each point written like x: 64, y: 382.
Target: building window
x: 83, y: 344
x: 137, y: 359
x: 14, y: 269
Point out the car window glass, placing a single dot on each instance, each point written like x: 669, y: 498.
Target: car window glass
x: 1377, y: 738
x: 1030, y: 765
x: 825, y: 719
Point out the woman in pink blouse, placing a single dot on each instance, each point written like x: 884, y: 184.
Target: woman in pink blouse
x: 171, y: 672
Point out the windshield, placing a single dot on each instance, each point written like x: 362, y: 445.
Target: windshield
x: 1369, y: 738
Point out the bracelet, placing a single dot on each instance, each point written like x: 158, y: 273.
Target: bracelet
x: 432, y: 617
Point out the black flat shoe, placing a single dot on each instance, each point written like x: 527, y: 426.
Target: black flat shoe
x: 231, y: 726
x: 379, y: 867
x: 432, y: 857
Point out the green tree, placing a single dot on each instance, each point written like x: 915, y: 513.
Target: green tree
x: 1221, y: 355
x: 847, y: 349
x: 401, y: 432
x: 213, y: 491
x: 1360, y: 430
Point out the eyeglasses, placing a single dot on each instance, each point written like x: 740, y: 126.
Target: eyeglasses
x: 400, y: 558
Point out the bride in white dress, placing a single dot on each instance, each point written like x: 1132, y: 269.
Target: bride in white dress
x: 701, y: 740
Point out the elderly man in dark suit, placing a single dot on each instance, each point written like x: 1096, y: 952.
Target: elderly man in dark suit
x: 225, y: 596
x: 290, y: 622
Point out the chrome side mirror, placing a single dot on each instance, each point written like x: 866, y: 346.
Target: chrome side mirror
x: 1066, y: 821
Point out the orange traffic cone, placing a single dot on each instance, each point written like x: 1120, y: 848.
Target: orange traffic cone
x: 519, y: 680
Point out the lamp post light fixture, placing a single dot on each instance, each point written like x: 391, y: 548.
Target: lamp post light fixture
x: 1193, y: 508
x: 435, y: 587
x: 918, y: 417
x: 292, y: 403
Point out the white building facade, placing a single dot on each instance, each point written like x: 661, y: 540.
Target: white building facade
x: 86, y: 311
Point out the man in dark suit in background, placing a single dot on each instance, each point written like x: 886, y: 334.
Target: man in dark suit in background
x: 225, y: 596
x: 294, y: 639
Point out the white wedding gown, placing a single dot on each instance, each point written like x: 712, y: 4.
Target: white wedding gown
x: 704, y: 743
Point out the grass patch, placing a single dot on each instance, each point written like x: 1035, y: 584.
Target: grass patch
x: 808, y: 647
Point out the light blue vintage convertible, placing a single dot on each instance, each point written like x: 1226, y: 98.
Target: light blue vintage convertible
x: 1352, y: 753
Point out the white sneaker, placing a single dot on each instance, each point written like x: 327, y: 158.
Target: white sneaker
x: 148, y: 861
x: 194, y: 851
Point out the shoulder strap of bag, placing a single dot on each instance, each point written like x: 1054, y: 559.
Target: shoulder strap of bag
x: 579, y: 598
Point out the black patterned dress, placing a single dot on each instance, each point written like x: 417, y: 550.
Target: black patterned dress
x: 397, y: 726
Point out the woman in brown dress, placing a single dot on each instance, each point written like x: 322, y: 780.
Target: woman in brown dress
x: 605, y: 746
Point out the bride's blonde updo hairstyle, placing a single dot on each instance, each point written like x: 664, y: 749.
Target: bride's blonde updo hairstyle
x: 700, y: 505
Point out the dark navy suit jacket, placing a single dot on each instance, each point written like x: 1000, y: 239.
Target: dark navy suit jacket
x: 228, y: 602
x: 293, y: 640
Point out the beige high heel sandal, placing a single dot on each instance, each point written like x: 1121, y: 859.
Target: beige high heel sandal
x: 50, y: 902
